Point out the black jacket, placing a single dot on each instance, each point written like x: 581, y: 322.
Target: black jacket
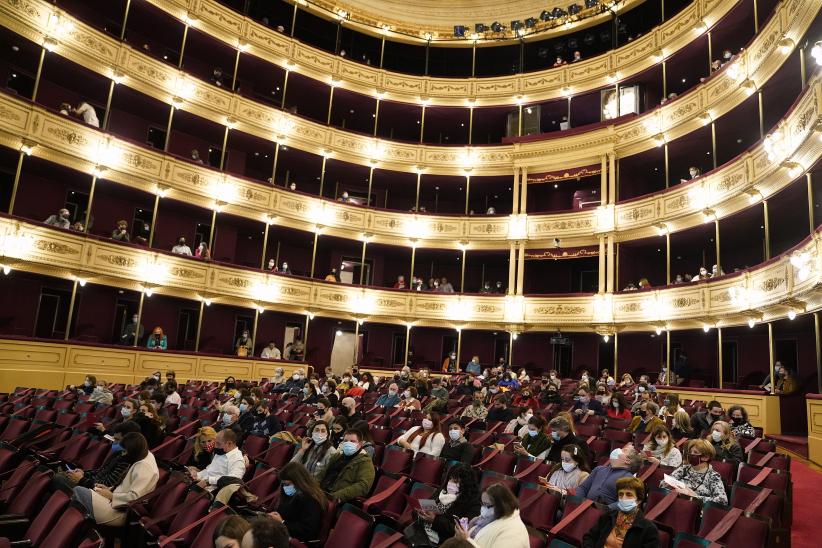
x: 110, y: 474
x: 443, y: 524
x: 462, y: 452
x: 702, y: 421
x: 554, y: 454
x: 733, y: 453
x: 302, y: 515
x: 263, y: 426
x: 642, y: 534
x: 505, y: 415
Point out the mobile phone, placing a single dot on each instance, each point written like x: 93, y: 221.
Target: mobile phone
x: 109, y: 438
x: 464, y: 523
x: 68, y: 468
x: 648, y: 453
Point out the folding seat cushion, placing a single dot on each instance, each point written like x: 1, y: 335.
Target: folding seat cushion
x: 574, y: 524
x: 427, y: 469
x: 397, y: 460
x: 763, y: 476
x: 748, y: 530
x: 388, y: 495
x: 26, y: 500
x: 353, y: 528
x: 759, y: 500
x: 538, y: 506
x: 46, y: 518
x: 69, y: 527
x: 679, y: 512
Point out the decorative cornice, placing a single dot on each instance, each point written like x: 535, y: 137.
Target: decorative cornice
x: 771, y: 289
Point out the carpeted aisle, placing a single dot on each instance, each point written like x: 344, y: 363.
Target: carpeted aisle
x: 807, y: 525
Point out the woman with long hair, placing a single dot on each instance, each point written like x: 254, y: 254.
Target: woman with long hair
x: 458, y: 498
x: 203, y: 450
x: 569, y: 472
x: 302, y: 502
x: 426, y: 438
x: 316, y: 449
x: 724, y: 442
x: 618, y: 408
x: 681, y: 425
x: 660, y: 447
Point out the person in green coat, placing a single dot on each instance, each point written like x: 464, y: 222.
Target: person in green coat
x: 350, y: 473
x: 534, y: 442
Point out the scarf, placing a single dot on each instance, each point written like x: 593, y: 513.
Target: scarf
x: 624, y: 521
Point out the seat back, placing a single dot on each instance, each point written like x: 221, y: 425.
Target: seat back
x: 749, y: 531
x: 14, y: 428
x: 427, y: 469
x: 68, y: 528
x: 502, y: 462
x: 490, y: 478
x: 94, y: 455
x: 353, y: 528
x: 278, y: 455
x: 685, y: 540
x: 47, y: 517
x: 396, y: 460
x: 16, y: 482
x: 382, y: 533
x: 778, y: 480
x: 253, y: 446
x: 196, y: 507
x: 538, y: 506
x: 681, y: 515
x: 742, y: 495
x: 205, y: 536
x: 26, y: 501
x: 576, y: 529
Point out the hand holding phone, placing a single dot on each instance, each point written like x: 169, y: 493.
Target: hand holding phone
x: 464, y: 523
x: 68, y: 468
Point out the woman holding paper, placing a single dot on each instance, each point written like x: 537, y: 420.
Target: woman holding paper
x: 459, y: 498
x: 697, y: 478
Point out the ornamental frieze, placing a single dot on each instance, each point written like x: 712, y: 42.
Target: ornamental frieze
x: 431, y: 306
x: 219, y: 16
x: 486, y: 308
x: 335, y: 297
x: 118, y: 260
x: 55, y: 247
x: 771, y: 284
x: 389, y: 303
x: 25, y: 7
x: 242, y: 283
x: 630, y: 307
x: 67, y: 136
x: 89, y: 43
x: 723, y: 296
x: 489, y: 228
x: 730, y: 181
x: 559, y: 310
x: 186, y: 274
x: 685, y: 302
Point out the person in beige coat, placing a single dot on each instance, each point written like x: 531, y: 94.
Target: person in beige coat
x: 498, y: 524
x: 108, y: 507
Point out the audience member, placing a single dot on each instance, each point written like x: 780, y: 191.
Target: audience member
x: 600, y: 486
x: 315, y: 449
x: 534, y: 442
x: 263, y: 422
x: 265, y: 532
x: 157, y: 340
x: 703, y: 420
x: 202, y: 251
x: 647, y: 419
x: 786, y: 383
x: 500, y: 412
x: 112, y: 471
x: 61, y: 219
x: 457, y: 448
x: 519, y: 425
x: 660, y: 447
x: 426, y: 438
x: 725, y: 445
x: 350, y: 473
x: 229, y: 534
x: 449, y: 364
x: 224, y: 474
x: 740, y: 427
x: 625, y: 525
x: 302, y: 502
x: 562, y: 435
x: 120, y: 233
x: 108, y: 506
x: 499, y: 523
x: 476, y: 410
x: 584, y: 405
x: 409, y: 400
x: 101, y: 394
x: 618, y: 407
x: 271, y: 352
x: 681, y: 425
x: 243, y: 346
x: 698, y: 477
x: 127, y: 335
x: 203, y: 452
x: 391, y: 398
x: 181, y: 248
x: 567, y: 474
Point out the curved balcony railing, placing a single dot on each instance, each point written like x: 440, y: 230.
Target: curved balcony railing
x: 705, y: 102
x: 770, y: 290
x: 757, y: 174
x: 626, y: 61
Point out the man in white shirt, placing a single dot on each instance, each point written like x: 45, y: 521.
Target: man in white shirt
x: 181, y: 248
x: 172, y: 396
x: 228, y: 462
x: 271, y: 352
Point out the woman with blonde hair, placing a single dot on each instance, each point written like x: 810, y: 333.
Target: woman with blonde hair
x: 203, y: 448
x: 681, y: 425
x: 627, y: 381
x: 567, y: 416
x: 696, y: 477
x: 724, y: 442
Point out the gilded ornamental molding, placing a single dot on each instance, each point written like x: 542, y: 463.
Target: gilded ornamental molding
x: 671, y: 36
x: 725, y: 191
x: 768, y: 291
x: 707, y: 101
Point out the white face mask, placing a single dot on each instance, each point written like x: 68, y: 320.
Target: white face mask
x: 452, y: 488
x: 716, y: 435
x: 427, y: 424
x: 407, y: 394
x: 486, y: 512
x: 455, y: 434
x: 568, y: 466
x: 615, y: 403
x: 661, y: 441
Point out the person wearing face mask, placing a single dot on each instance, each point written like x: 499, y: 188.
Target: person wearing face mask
x: 203, y: 448
x: 466, y: 387
x: 302, y: 502
x: 534, y: 442
x: 500, y: 411
x: 740, y: 427
x: 350, y: 473
x: 322, y: 412
x: 509, y: 381
x: 526, y: 399
x: 624, y: 526
x: 311, y: 392
x: 315, y: 449
x: 584, y: 405
x: 127, y: 337
x: 263, y: 422
x: 111, y: 473
x: 426, y: 438
x: 348, y: 409
x: 172, y: 396
x: 107, y: 504
x: 474, y: 367
x: 476, y: 410
x: 101, y: 394
x: 329, y: 392
x: 670, y: 405
x: 618, y: 407
x: 603, y: 394
x: 458, y: 498
x: 660, y: 447
x: 703, y: 420
x: 600, y: 486
x: 647, y: 418
x: 566, y: 475
x: 224, y: 474
x: 279, y: 376
x: 724, y: 442
x: 519, y: 425
x: 457, y: 448
x: 563, y: 436
x: 230, y: 421
x: 550, y: 395
x: 498, y: 524
x: 89, y: 384
x: 62, y: 219
x: 449, y: 364
x: 641, y: 395
x: 157, y: 340
x: 244, y: 347
x: 698, y: 477
x: 338, y: 427
x: 390, y: 399
x: 294, y: 384
x: 150, y: 422
x: 409, y: 400
x: 181, y: 248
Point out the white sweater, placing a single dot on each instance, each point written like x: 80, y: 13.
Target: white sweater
x: 508, y: 532
x: 433, y: 445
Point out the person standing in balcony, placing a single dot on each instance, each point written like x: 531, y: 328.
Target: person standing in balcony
x: 181, y: 248
x: 127, y: 336
x: 445, y: 286
x: 60, y: 220
x: 400, y: 283
x: 244, y: 347
x: 157, y: 340
x: 121, y: 232
x: 786, y: 383
x: 84, y: 111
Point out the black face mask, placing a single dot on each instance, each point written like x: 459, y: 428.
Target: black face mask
x: 229, y: 385
x: 738, y: 420
x: 219, y: 451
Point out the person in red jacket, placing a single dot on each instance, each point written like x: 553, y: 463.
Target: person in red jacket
x: 618, y: 408
x: 526, y: 399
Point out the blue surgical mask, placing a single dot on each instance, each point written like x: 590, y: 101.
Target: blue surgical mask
x: 289, y: 490
x: 349, y: 448
x: 126, y: 412
x: 533, y: 433
x: 243, y: 407
x: 615, y: 454
x: 116, y: 447
x: 226, y: 419
x: 627, y: 505
x: 555, y: 436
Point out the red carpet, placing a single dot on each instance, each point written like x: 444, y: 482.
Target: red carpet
x: 807, y: 527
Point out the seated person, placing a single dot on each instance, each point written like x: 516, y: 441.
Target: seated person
x: 647, y: 418
x: 681, y: 426
x: 426, y: 438
x: 204, y: 443
x: 725, y: 444
x: 534, y: 443
x: 457, y: 447
x: 500, y: 411
x: 109, y: 507
x: 390, y: 399
x: 584, y: 404
x: 350, y: 473
x: 699, y: 477
x: 661, y: 447
x: 409, y: 399
x: 625, y: 525
x: 226, y: 470
x: 263, y: 422
x: 498, y: 524
x: 618, y: 407
x: 786, y: 383
x: 702, y: 420
x: 348, y: 409
x: 519, y: 425
x: 562, y: 434
x: 231, y: 421
x: 229, y: 534
x: 316, y: 449
x: 458, y: 498
x: 600, y: 486
x: 265, y: 532
x: 566, y: 475
x: 670, y: 405
x: 302, y: 503
x: 476, y: 410
x: 550, y: 395
x: 740, y: 427
x: 111, y: 473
